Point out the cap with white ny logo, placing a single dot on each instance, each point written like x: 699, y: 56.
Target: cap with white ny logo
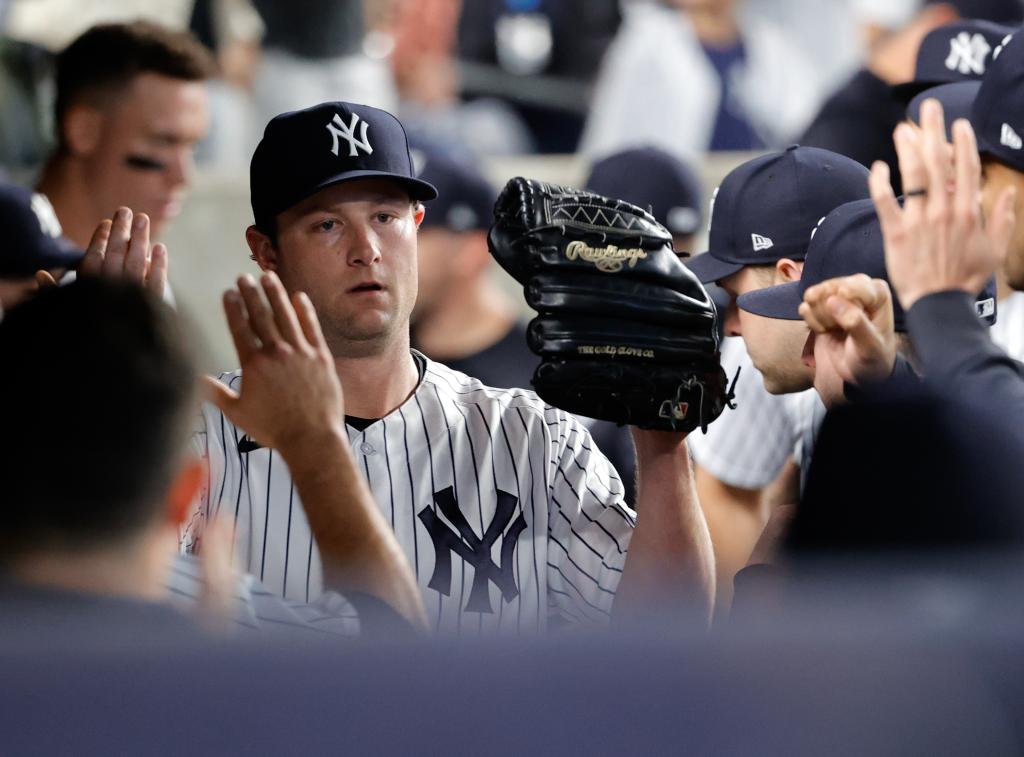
x: 306, y: 150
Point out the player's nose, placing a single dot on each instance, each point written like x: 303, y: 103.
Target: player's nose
x: 364, y: 247
x: 807, y: 357
x: 732, y: 321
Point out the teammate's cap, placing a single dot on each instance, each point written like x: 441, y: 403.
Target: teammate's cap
x: 766, y: 208
x: 957, y: 100
x: 651, y: 178
x: 955, y: 52
x: 847, y: 241
x: 998, y: 113
x: 33, y: 239
x: 306, y: 150
x: 465, y: 199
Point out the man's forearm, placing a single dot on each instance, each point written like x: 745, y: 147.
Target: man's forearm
x: 670, y: 568
x: 358, y: 549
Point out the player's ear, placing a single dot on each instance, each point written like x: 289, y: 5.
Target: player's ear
x: 80, y: 129
x: 184, y: 491
x: 788, y: 270
x: 262, y: 247
x: 418, y: 212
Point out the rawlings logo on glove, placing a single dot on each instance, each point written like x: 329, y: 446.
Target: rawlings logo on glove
x: 639, y: 347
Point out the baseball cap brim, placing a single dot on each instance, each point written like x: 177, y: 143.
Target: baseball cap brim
x: 417, y: 188
x: 709, y: 269
x: 781, y: 302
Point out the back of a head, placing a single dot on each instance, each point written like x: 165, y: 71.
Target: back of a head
x: 97, y: 392
x: 911, y: 477
x: 107, y: 57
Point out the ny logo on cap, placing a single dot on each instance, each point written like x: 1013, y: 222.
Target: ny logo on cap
x: 1010, y: 138
x: 967, y: 53
x: 761, y: 243
x: 339, y: 130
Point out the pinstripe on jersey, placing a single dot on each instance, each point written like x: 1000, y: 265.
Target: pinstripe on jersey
x: 453, y: 433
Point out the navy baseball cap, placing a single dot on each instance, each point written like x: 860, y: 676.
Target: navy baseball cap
x: 465, y: 199
x: 998, y: 112
x: 306, y: 150
x: 651, y: 178
x: 957, y: 100
x: 961, y: 51
x: 847, y: 241
x: 33, y: 238
x: 766, y: 208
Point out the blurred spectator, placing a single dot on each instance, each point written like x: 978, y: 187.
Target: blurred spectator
x: 858, y: 120
x: 538, y: 55
x: 26, y: 97
x: 429, y: 80
x: 313, y: 52
x: 131, y: 105
x: 693, y: 75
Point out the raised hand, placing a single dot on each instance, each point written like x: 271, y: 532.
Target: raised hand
x: 120, y: 248
x: 290, y: 391
x: 852, y: 316
x: 938, y: 241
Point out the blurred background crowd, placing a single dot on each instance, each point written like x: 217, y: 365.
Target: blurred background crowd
x: 654, y: 101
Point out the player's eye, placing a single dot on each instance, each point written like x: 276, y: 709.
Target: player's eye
x: 384, y: 217
x: 327, y: 224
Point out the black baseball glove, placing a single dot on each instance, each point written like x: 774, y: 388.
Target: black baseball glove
x: 625, y: 332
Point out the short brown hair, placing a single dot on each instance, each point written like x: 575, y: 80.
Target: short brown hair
x: 107, y: 57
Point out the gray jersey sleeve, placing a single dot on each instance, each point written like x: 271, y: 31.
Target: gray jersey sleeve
x: 589, y: 525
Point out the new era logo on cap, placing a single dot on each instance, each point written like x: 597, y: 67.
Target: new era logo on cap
x: 761, y: 242
x: 1010, y: 138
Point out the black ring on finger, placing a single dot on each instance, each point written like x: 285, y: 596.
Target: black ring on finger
x: 916, y: 193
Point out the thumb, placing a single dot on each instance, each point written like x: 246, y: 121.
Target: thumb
x: 224, y: 398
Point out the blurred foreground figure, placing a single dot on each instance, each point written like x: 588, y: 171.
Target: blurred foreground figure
x: 131, y: 106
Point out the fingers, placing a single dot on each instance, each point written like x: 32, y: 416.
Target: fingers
x: 223, y: 397
x: 261, y: 320
x: 44, y: 279
x: 308, y: 321
x: 136, y: 257
x: 935, y: 152
x: 967, y: 188
x: 117, y: 244
x: 888, y: 208
x: 284, y: 314
x: 92, y: 263
x: 245, y: 339
x: 810, y: 314
x: 853, y: 321
x: 912, y: 169
x: 156, y: 278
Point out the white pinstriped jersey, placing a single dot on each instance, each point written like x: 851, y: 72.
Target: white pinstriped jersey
x: 1008, y: 330
x: 508, y: 513
x: 256, y: 609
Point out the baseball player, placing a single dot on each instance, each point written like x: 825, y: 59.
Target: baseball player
x: 848, y: 241
x: 375, y: 578
x: 762, y: 216
x: 510, y: 516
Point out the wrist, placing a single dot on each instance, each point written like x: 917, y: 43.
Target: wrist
x: 313, y: 445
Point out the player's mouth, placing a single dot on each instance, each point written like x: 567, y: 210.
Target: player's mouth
x: 367, y: 287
